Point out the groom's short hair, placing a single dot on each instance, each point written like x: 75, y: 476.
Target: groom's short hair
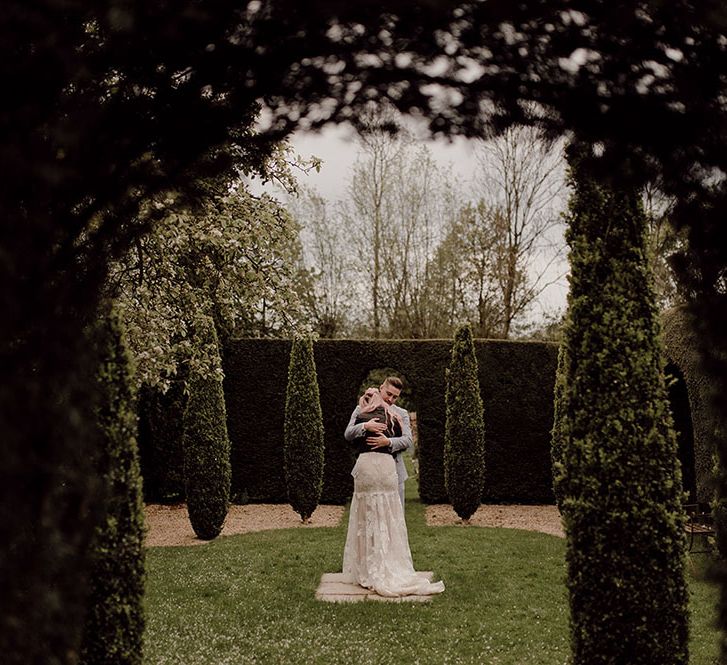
x: 394, y: 381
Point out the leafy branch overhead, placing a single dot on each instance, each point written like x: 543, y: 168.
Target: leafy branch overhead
x: 236, y: 258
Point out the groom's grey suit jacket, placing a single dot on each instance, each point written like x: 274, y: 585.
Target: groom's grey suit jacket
x: 398, y: 443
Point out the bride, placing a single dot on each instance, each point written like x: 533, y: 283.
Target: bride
x: 377, y: 554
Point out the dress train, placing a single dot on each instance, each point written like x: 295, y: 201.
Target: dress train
x: 377, y: 554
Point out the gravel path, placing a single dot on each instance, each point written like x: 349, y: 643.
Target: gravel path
x: 545, y: 519
x: 169, y: 526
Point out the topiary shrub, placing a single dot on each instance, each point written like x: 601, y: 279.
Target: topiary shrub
x: 303, y: 446
x: 464, y: 434
x: 206, y: 444
x: 560, y: 429
x: 114, y: 623
x: 622, y: 499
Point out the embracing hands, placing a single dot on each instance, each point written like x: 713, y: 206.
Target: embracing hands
x: 376, y: 429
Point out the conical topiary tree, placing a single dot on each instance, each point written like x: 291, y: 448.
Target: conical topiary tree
x: 464, y: 435
x: 621, y: 476
x: 114, y: 623
x: 303, y: 444
x: 207, y: 471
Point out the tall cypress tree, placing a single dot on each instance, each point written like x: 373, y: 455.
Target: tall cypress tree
x: 114, y: 624
x: 464, y: 435
x: 303, y: 443
x: 207, y: 470
x: 622, y: 481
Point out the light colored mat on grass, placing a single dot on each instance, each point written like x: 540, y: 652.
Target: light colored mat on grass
x: 333, y: 589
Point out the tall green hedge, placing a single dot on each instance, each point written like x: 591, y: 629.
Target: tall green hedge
x: 701, y: 421
x: 682, y: 350
x: 256, y: 375
x: 622, y: 486
x: 464, y: 436
x: 303, y: 436
x: 206, y: 445
x: 115, y: 621
x: 516, y: 384
x: 160, y: 442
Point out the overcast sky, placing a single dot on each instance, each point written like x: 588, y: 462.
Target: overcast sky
x: 336, y: 146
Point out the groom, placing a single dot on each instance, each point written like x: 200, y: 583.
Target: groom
x: 390, y: 390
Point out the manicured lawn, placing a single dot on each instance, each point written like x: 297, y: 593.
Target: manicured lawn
x: 250, y: 599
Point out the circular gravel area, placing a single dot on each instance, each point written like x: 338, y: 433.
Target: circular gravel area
x: 545, y: 519
x: 169, y: 525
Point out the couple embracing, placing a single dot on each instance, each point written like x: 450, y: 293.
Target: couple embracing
x: 377, y: 554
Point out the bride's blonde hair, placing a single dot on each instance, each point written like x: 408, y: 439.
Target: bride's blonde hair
x: 372, y: 400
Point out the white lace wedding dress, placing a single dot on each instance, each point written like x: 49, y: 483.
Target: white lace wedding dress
x: 377, y: 554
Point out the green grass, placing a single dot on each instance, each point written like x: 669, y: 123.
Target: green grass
x: 250, y: 599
